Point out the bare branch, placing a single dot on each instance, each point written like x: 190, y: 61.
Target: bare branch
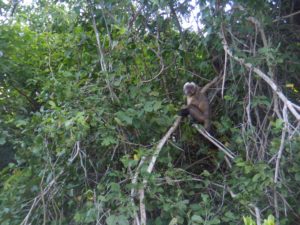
x: 209, y: 84
x: 214, y: 141
x: 142, y: 206
x: 101, y: 53
x: 261, y: 30
x: 157, y: 75
x: 266, y: 78
x: 162, y: 143
x: 161, y: 60
x: 281, y: 148
x: 287, y: 16
x: 49, y: 186
x: 134, y: 181
x: 277, y: 167
x: 155, y: 154
x: 257, y: 214
x: 224, y: 74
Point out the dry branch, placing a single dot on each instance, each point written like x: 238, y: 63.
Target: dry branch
x: 40, y: 197
x: 267, y: 79
x: 287, y: 16
x: 50, y: 185
x: 261, y: 30
x: 161, y: 143
x: 257, y: 214
x: 224, y: 75
x: 101, y: 53
x: 209, y: 84
x: 214, y: 141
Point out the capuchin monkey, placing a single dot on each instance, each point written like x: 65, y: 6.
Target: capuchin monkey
x: 197, y: 105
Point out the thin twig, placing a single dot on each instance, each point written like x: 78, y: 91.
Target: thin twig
x: 277, y: 167
x: 281, y: 148
x: 248, y: 108
x: 38, y: 198
x: 43, y: 201
x: 49, y: 187
x: 224, y: 75
x: 161, y: 60
x: 162, y: 69
x: 101, y: 53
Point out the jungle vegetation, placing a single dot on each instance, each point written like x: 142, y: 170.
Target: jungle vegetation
x: 89, y: 96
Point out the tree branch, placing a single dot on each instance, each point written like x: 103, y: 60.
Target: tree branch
x: 209, y: 84
x: 262, y: 75
x: 214, y: 141
x: 287, y: 16
x: 101, y: 53
x: 155, y: 154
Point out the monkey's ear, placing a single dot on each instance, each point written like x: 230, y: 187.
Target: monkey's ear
x: 184, y: 112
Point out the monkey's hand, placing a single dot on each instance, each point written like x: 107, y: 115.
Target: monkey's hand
x: 184, y: 112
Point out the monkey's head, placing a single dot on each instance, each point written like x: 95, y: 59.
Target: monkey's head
x: 189, y: 88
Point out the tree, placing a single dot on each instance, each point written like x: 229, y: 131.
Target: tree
x: 89, y: 91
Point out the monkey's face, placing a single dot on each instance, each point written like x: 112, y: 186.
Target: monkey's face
x: 189, y: 88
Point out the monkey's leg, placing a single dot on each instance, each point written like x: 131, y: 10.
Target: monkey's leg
x: 196, y: 113
x: 207, y: 125
x: 199, y: 116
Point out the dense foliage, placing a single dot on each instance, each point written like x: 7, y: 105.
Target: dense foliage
x: 88, y: 89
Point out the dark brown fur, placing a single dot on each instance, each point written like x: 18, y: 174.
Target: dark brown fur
x: 197, y: 105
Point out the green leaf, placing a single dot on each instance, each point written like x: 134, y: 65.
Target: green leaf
x: 117, y: 220
x: 124, y: 117
x: 248, y: 220
x: 197, y: 219
x: 52, y: 104
x: 112, y: 220
x: 270, y: 220
x: 115, y: 187
x: 230, y: 215
x: 157, y: 105
x: 2, y: 140
x: 214, y: 221
x: 174, y: 221
x: 68, y: 123
x: 148, y: 107
x: 108, y: 140
x: 20, y: 123
x: 256, y: 177
x: 260, y: 100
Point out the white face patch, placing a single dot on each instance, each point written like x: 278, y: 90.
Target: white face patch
x: 187, y: 87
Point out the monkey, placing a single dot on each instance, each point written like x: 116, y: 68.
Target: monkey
x: 197, y: 105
